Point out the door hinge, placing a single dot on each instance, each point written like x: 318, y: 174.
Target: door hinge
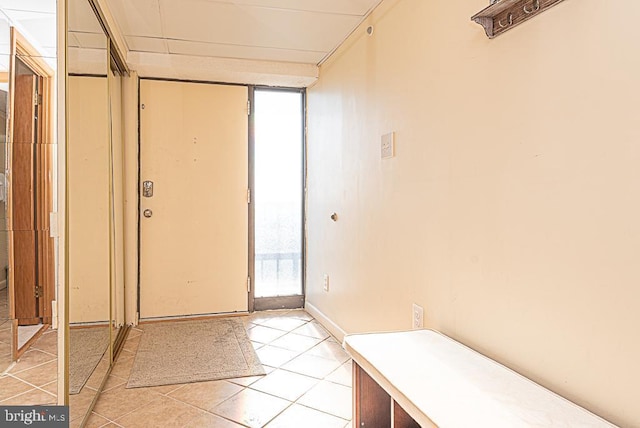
x: 248, y: 284
x: 36, y: 99
x: 248, y: 196
x: 248, y: 107
x: 37, y: 291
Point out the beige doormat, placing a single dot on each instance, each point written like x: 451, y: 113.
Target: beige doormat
x: 193, y: 351
x: 86, y: 348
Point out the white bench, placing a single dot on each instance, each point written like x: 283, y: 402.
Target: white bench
x: 423, y: 378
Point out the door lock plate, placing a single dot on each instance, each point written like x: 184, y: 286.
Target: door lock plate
x: 147, y: 189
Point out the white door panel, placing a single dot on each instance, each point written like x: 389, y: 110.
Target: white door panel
x: 194, y: 247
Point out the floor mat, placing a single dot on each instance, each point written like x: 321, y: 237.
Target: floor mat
x: 193, y: 351
x: 86, y: 348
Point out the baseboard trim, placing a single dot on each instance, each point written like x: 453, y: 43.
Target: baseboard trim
x: 326, y: 322
x: 198, y: 317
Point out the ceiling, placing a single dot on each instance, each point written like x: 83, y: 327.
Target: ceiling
x: 277, y: 42
x: 296, y: 31
x: 36, y: 20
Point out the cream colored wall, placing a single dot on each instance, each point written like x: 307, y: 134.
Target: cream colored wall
x: 130, y: 173
x: 511, y: 210
x: 88, y: 165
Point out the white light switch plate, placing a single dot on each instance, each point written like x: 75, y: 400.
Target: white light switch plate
x: 387, y: 146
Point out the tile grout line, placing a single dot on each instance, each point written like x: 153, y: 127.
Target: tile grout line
x: 128, y: 413
x: 28, y: 383
x: 207, y: 411
x: 32, y: 367
x: 322, y: 411
x: 33, y: 388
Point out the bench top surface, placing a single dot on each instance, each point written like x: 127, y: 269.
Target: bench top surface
x: 442, y: 383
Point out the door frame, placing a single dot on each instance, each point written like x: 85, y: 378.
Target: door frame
x: 282, y: 302
x: 289, y: 302
x: 21, y: 48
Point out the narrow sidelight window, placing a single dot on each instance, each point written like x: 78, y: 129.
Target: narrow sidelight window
x: 278, y: 192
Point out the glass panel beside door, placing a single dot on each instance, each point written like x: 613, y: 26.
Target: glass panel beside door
x: 278, y: 198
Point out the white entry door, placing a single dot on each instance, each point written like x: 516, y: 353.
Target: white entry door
x: 194, y: 225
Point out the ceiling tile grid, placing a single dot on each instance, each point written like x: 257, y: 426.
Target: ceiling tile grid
x: 147, y: 44
x: 300, y: 31
x: 36, y: 21
x: 180, y: 47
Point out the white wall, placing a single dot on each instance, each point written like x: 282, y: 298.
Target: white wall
x: 511, y: 210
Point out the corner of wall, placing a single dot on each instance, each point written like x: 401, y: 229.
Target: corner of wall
x: 331, y: 326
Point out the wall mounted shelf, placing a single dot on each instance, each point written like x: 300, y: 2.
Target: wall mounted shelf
x: 503, y: 15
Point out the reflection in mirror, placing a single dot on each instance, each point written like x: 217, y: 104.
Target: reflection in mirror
x: 116, y: 210
x: 5, y: 323
x: 23, y: 160
x: 26, y: 187
x: 88, y: 186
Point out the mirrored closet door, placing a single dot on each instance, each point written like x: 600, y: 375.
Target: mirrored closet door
x: 6, y: 324
x: 94, y: 206
x: 26, y: 188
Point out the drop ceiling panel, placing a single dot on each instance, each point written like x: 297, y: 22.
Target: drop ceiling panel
x: 82, y: 19
x: 4, y: 34
x: 243, y: 52
x: 87, y: 61
x: 138, y: 18
x: 254, y: 26
x: 147, y: 44
x: 24, y: 15
x: 72, y: 41
x: 289, y: 31
x: 48, y: 6
x: 35, y: 20
x: 39, y: 26
x: 346, y: 7
x: 92, y: 41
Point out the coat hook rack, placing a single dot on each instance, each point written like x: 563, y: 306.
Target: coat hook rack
x: 503, y: 15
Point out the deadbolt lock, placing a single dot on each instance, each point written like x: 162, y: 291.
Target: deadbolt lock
x: 147, y: 213
x: 147, y: 189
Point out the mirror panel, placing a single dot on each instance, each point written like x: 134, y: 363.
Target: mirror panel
x: 6, y: 332
x: 26, y: 185
x: 27, y: 63
x: 117, y: 203
x: 89, y: 208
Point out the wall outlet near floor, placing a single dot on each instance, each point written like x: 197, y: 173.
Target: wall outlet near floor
x: 418, y: 316
x: 325, y: 284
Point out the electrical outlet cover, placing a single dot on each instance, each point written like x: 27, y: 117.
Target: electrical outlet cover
x: 418, y: 316
x: 387, y: 145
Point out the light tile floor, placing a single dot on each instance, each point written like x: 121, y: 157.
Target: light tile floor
x: 308, y: 384
x: 5, y: 331
x: 33, y: 378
